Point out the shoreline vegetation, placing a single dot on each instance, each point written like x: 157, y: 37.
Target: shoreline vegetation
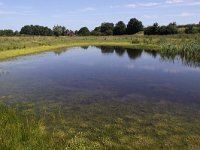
x: 38, y: 125
x: 11, y: 47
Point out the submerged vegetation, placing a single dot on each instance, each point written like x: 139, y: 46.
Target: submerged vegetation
x: 132, y: 123
x: 85, y: 122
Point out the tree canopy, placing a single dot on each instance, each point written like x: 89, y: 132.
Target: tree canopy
x: 161, y: 30
x: 7, y: 32
x: 134, y: 26
x: 84, y: 31
x: 96, y: 31
x: 59, y: 30
x: 120, y: 28
x: 36, y: 30
x: 107, y: 28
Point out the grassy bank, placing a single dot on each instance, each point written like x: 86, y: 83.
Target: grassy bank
x: 18, y: 46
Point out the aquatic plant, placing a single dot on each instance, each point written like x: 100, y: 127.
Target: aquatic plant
x: 139, y: 123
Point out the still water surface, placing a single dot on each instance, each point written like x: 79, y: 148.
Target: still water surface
x: 117, y: 98
x: 99, y: 71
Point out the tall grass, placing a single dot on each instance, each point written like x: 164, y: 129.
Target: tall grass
x: 188, y: 50
x: 16, y: 46
x: 20, y: 131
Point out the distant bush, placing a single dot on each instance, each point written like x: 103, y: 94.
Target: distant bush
x: 96, y: 31
x: 161, y: 30
x: 191, y: 29
x: 59, y: 30
x: 7, y: 32
x: 152, y: 30
x: 36, y: 30
x: 84, y: 31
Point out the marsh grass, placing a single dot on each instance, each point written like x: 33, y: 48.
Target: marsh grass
x: 188, y: 51
x: 18, y: 46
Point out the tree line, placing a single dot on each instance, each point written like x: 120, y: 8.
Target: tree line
x: 134, y: 26
x: 8, y: 32
x: 105, y: 29
x: 172, y: 28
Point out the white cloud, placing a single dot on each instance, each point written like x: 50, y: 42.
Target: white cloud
x: 174, y: 1
x: 131, y: 5
x: 114, y: 6
x: 186, y: 14
x: 193, y: 3
x: 83, y: 10
x: 87, y: 9
x: 149, y: 4
x: 183, y: 2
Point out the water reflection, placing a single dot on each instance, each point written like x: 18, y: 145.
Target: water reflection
x: 133, y: 54
x: 120, y: 51
x: 85, y: 47
x: 67, y: 72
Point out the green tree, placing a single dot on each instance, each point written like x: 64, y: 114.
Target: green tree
x: 7, y: 32
x: 27, y: 30
x: 96, y: 31
x: 190, y: 29
x: 152, y: 30
x: 107, y: 28
x: 59, y: 30
x: 36, y: 30
x: 163, y: 30
x: 84, y: 31
x: 120, y: 28
x: 134, y: 26
x: 172, y: 28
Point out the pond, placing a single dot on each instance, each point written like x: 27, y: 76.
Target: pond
x: 118, y: 94
x: 105, y: 71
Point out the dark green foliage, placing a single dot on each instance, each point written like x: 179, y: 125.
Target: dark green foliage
x: 163, y: 30
x: 96, y: 31
x: 191, y: 29
x: 172, y: 28
x: 107, y: 28
x: 36, y: 30
x: 59, y: 30
x: 120, y: 28
x: 84, y: 31
x: 152, y: 30
x: 134, y: 26
x: 7, y: 32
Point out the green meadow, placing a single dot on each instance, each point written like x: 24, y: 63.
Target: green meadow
x: 18, y: 46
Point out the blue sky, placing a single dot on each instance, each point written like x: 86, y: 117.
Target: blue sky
x: 77, y: 13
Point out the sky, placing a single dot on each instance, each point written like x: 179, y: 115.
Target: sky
x: 75, y: 14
